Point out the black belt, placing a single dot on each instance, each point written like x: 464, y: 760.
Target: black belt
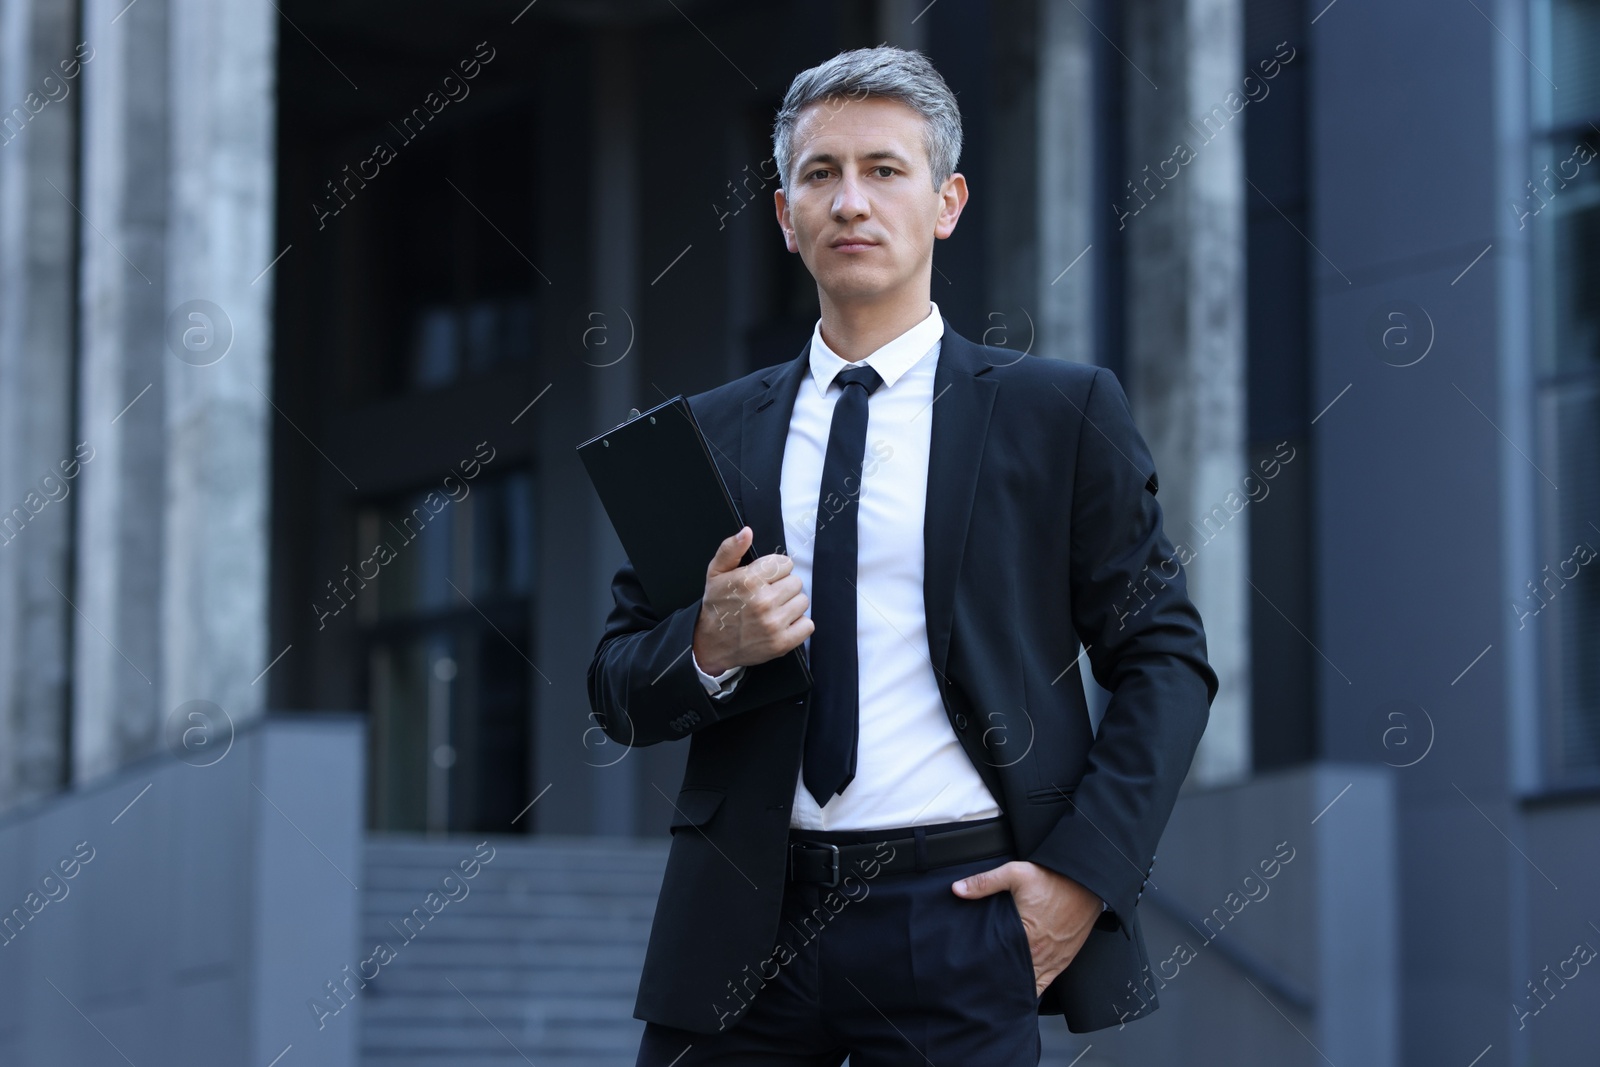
x: 813, y: 858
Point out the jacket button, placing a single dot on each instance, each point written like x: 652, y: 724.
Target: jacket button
x: 961, y: 722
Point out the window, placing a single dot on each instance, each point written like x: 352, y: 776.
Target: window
x: 1562, y: 205
x: 449, y: 686
x: 451, y: 342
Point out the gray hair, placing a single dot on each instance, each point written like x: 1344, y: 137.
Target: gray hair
x: 896, y: 73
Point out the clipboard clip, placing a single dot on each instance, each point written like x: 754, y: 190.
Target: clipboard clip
x: 633, y: 413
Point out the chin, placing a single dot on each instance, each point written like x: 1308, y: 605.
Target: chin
x: 850, y: 290
x: 858, y: 282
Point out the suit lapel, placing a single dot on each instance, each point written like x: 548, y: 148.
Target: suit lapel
x: 963, y: 400
x: 764, y: 434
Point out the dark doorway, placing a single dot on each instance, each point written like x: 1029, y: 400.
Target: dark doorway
x: 407, y: 320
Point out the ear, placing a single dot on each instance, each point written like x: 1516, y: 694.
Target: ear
x: 784, y: 222
x: 953, y: 197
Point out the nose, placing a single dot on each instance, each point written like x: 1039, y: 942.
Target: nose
x: 850, y: 201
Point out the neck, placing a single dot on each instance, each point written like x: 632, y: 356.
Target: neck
x: 856, y: 330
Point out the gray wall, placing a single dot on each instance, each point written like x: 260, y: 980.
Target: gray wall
x: 218, y: 897
x: 1560, y: 1021
x: 1284, y: 892
x: 1424, y: 504
x: 38, y: 465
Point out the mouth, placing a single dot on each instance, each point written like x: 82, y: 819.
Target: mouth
x: 852, y: 245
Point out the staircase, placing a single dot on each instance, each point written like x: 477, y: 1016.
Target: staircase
x: 537, y: 962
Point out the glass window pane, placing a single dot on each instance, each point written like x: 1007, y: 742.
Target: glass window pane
x: 399, y: 717
x: 492, y: 731
x: 1568, y: 591
x: 1575, y: 59
x: 414, y: 550
x: 450, y: 681
x: 1575, y: 290
x: 502, y: 532
x: 483, y: 321
x: 436, y: 345
x: 518, y: 329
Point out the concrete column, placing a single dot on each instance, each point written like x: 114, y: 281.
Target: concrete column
x: 1042, y: 162
x: 121, y: 495
x: 1063, y: 282
x: 40, y: 71
x: 1183, y: 224
x: 1041, y: 295
x: 178, y: 192
x: 218, y: 418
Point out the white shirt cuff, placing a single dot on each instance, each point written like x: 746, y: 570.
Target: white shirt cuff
x: 723, y: 684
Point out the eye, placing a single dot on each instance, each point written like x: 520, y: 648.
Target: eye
x: 814, y: 173
x: 891, y: 170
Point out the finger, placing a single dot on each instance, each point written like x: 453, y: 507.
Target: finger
x: 729, y: 553
x: 983, y: 884
x: 788, y: 590
x: 788, y: 611
x: 790, y: 637
x: 773, y: 566
x: 796, y: 632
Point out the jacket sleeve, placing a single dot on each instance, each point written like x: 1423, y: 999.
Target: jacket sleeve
x: 1145, y: 644
x: 644, y: 686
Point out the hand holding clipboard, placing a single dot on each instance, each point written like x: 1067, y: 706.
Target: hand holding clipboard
x: 666, y: 499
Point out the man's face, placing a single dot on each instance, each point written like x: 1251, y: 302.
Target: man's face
x: 861, y: 173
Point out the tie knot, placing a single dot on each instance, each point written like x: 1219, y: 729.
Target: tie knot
x: 863, y: 376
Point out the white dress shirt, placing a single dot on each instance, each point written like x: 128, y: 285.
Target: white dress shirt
x: 910, y: 768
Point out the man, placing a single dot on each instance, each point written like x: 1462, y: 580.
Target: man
x: 929, y: 848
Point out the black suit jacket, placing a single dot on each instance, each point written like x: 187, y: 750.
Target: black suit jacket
x: 1042, y: 530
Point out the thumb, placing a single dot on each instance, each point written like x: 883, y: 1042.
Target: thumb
x: 729, y: 553
x: 982, y: 884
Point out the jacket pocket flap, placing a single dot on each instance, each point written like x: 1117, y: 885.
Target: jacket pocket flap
x: 694, y: 807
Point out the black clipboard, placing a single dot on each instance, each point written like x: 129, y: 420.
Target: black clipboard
x: 670, y: 508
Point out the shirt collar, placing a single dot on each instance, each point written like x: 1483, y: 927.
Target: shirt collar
x: 890, y: 361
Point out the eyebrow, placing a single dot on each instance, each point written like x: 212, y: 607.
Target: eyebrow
x: 881, y: 153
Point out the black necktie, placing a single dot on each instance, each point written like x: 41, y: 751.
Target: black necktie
x: 830, y: 748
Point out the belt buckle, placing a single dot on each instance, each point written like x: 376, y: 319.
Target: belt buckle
x: 834, y: 849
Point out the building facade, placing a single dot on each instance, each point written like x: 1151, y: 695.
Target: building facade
x: 304, y: 309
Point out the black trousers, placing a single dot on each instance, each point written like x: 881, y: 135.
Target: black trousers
x: 892, y: 971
